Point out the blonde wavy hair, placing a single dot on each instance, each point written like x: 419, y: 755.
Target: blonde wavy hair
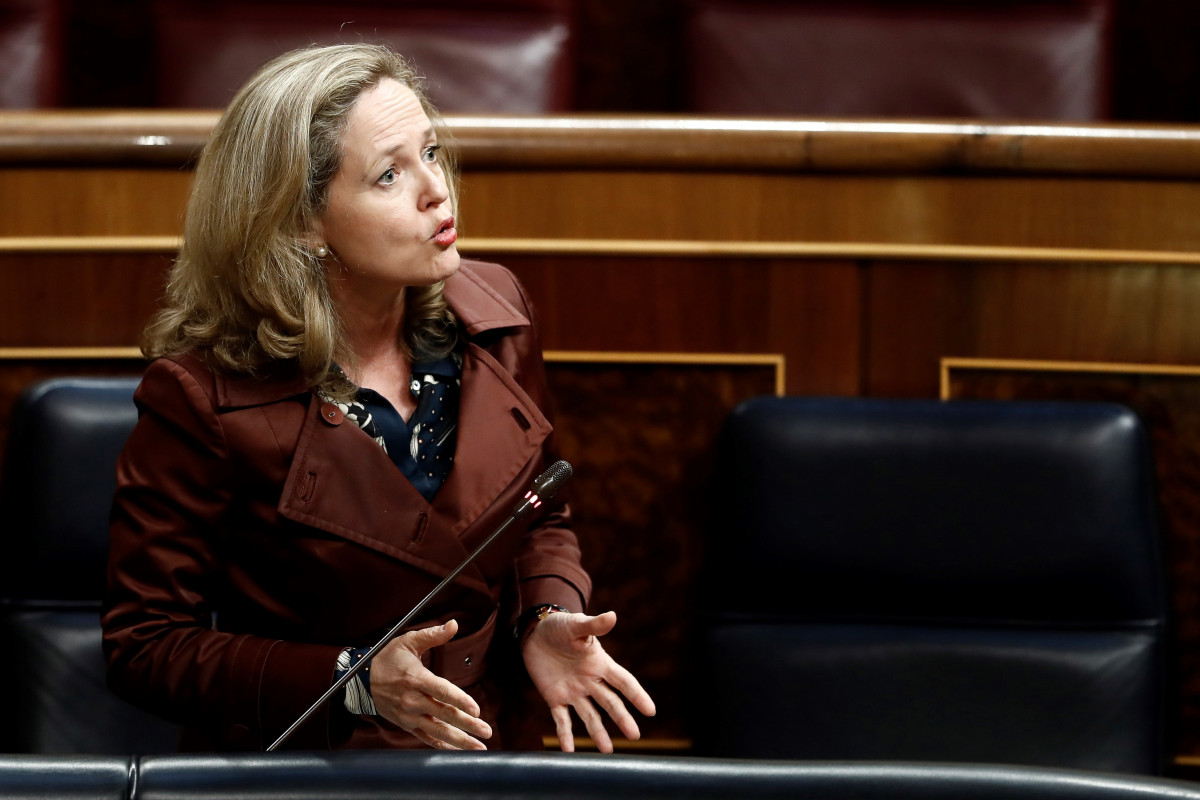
x: 246, y: 288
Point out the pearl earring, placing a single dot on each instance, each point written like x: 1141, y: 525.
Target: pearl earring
x: 322, y: 251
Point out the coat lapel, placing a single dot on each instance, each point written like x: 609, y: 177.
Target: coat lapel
x: 342, y: 482
x: 500, y: 430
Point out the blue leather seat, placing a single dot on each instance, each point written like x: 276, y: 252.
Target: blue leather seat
x: 55, y: 497
x: 916, y: 580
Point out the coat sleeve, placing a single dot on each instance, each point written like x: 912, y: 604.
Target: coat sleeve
x: 174, y: 489
x: 549, y: 566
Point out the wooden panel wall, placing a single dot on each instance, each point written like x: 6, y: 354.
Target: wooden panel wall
x: 862, y: 253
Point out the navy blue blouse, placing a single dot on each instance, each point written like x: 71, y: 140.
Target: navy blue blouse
x: 422, y: 448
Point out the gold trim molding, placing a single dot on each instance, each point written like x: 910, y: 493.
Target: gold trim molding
x: 626, y: 745
x: 946, y: 365
x: 64, y: 353
x: 634, y: 248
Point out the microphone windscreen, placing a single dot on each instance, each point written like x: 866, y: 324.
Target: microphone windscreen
x: 550, y: 481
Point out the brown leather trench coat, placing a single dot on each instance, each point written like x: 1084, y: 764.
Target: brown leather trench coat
x: 255, y: 534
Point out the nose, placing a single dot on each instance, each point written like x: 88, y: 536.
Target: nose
x: 436, y: 191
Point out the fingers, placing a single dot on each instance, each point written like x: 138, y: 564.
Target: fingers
x: 435, y: 722
x: 449, y: 695
x: 451, y: 715
x: 398, y: 672
x: 432, y: 708
x: 562, y: 726
x: 426, y: 638
x: 438, y: 707
x: 623, y: 681
x: 445, y: 737
x: 594, y: 724
x: 611, y: 702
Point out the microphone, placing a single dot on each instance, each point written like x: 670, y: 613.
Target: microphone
x: 545, y: 486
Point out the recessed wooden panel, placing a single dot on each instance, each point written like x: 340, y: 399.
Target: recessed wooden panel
x: 807, y: 207
x: 1168, y: 403
x: 115, y: 201
x: 50, y: 299
x: 919, y: 312
x: 807, y: 310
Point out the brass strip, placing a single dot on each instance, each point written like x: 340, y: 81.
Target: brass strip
x: 584, y: 743
x: 853, y: 250
x: 90, y: 244
x: 1029, y: 365
x: 60, y: 353
x: 1070, y: 366
x: 884, y: 251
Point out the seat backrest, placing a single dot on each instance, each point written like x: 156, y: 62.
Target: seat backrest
x: 1043, y: 60
x: 962, y: 581
x: 31, y: 72
x: 57, y: 488
x: 477, y: 56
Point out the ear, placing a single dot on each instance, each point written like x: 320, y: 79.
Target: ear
x: 314, y: 237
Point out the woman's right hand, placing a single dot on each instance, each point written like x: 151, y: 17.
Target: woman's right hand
x: 429, y: 707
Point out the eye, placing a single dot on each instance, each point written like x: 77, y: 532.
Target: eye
x: 430, y: 153
x: 388, y: 177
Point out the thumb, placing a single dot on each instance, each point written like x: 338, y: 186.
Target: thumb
x: 594, y: 626
x: 419, y: 641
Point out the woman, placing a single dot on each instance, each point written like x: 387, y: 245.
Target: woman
x: 339, y: 410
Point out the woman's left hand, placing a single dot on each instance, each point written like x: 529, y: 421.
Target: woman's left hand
x: 571, y: 670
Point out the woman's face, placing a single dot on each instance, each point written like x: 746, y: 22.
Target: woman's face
x: 389, y: 223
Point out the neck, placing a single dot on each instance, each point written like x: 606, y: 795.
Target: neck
x: 372, y: 329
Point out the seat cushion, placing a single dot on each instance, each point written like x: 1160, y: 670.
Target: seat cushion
x: 54, y: 668
x: 1088, y: 698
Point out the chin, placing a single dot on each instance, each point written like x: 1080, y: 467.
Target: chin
x: 446, y: 265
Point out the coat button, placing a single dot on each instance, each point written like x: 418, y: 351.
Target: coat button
x: 331, y: 414
x: 467, y: 661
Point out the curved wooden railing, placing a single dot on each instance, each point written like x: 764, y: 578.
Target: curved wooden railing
x: 666, y: 142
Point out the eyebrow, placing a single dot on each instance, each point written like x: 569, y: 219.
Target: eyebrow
x: 429, y: 134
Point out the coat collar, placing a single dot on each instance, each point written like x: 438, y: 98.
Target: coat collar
x: 477, y: 305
